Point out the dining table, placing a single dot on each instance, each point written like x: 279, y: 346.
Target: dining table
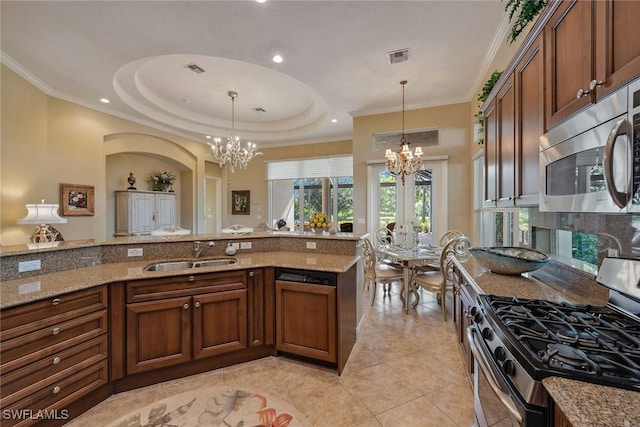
x: 409, y: 258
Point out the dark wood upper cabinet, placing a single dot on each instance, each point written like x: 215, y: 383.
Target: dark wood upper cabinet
x: 617, y: 44
x: 506, y: 103
x: 569, y: 65
x: 529, y: 83
x: 490, y: 155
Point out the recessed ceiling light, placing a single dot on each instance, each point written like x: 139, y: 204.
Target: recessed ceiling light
x: 334, y: 120
x: 104, y: 100
x: 261, y: 1
x: 277, y: 59
x: 208, y: 136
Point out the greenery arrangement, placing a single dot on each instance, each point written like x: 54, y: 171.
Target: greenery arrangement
x: 528, y: 10
x: 482, y: 97
x: 161, y: 180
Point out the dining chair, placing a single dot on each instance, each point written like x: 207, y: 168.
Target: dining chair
x: 376, y: 271
x: 382, y: 236
x: 448, y: 235
x: 439, y: 280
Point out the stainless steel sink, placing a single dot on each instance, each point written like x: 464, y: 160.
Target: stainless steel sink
x: 167, y: 266
x: 214, y: 262
x: 182, y: 265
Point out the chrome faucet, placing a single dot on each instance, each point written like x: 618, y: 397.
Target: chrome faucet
x: 199, y: 246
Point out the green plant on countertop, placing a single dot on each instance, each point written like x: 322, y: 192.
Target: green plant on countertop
x: 482, y: 97
x: 529, y: 9
x: 161, y: 180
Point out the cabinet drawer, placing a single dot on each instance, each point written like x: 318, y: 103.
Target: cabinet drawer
x: 172, y: 287
x: 23, y: 350
x: 25, y: 318
x: 22, y: 382
x: 56, y: 397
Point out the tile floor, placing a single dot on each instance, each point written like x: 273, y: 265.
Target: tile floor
x: 405, y: 370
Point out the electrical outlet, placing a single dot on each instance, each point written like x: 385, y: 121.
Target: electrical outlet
x: 134, y: 252
x: 613, y: 253
x: 29, y: 266
x: 311, y: 245
x: 236, y: 245
x: 360, y: 221
x: 245, y: 245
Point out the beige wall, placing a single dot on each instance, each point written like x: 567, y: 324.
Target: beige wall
x: 455, y: 140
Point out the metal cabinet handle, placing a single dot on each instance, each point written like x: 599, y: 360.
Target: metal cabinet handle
x: 192, y: 278
x: 56, y: 389
x: 251, y: 274
x: 186, y: 306
x: 56, y: 360
x: 56, y: 301
x: 55, y: 331
x: 582, y: 92
x: 595, y: 83
x: 197, y: 304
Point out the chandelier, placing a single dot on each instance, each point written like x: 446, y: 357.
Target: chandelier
x: 232, y: 152
x: 403, y: 162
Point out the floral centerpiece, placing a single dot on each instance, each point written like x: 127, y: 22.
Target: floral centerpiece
x: 161, y: 181
x: 318, y: 222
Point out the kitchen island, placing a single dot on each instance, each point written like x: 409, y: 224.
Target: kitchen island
x: 98, y: 322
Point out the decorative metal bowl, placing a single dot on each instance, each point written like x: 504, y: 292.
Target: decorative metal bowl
x: 510, y: 260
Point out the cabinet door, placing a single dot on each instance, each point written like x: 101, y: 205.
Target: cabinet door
x: 158, y: 334
x: 617, y: 44
x: 255, y: 284
x: 165, y: 210
x: 219, y: 323
x: 529, y: 83
x: 506, y: 143
x: 490, y: 156
x: 141, y: 213
x: 306, y: 320
x: 569, y: 62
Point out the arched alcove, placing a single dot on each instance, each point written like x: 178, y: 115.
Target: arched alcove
x: 141, y: 154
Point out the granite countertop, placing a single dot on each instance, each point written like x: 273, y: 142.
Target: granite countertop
x: 590, y: 405
x: 584, y: 404
x: 33, y: 288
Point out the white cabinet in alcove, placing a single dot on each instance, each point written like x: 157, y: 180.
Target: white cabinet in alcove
x: 141, y: 212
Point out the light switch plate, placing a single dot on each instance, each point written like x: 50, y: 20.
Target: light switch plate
x: 245, y: 245
x: 311, y: 245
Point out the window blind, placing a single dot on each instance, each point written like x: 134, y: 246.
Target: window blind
x: 310, y: 168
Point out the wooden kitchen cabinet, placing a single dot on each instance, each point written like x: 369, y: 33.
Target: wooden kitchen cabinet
x: 591, y: 49
x: 141, y: 212
x: 464, y: 307
x: 491, y: 162
x: 529, y: 123
x: 506, y: 152
x: 306, y: 322
x: 174, y: 320
x: 53, y: 353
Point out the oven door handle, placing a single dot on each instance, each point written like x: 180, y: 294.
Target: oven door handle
x: 491, y: 379
x: 620, y: 198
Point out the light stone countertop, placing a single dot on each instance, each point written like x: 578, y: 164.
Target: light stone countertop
x: 33, y: 288
x: 584, y: 404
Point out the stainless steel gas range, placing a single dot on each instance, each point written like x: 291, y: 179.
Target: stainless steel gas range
x: 517, y: 343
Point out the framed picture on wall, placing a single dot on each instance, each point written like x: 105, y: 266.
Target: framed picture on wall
x: 77, y: 200
x: 240, y: 202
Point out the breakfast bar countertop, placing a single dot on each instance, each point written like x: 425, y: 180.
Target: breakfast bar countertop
x: 584, y: 404
x: 33, y: 288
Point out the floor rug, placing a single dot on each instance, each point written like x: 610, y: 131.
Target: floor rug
x: 215, y: 406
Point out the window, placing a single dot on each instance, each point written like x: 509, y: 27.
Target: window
x: 299, y: 188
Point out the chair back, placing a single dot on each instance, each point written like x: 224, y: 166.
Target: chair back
x: 369, y: 260
x: 457, y: 247
x: 448, y: 235
x: 382, y: 236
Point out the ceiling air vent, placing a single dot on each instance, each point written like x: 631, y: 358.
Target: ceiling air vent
x: 195, y: 68
x: 399, y: 56
x: 259, y: 110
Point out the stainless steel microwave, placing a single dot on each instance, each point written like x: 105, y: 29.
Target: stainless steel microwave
x: 591, y: 162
